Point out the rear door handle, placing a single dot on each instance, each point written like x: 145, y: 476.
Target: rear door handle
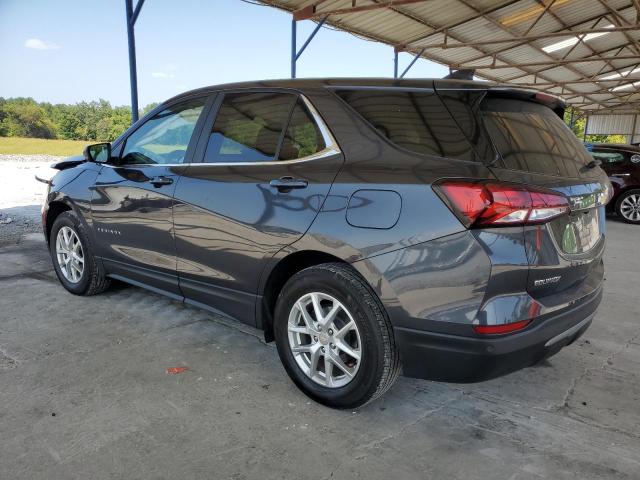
x: 160, y: 181
x: 284, y: 184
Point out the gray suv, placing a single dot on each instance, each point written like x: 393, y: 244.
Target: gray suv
x: 449, y: 230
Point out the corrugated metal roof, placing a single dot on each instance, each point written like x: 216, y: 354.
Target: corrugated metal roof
x: 611, y: 124
x: 524, y: 42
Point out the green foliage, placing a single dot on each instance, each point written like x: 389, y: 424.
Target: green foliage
x: 23, y: 117
x: 90, y: 121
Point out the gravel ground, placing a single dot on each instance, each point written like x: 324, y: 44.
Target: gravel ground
x: 22, y: 195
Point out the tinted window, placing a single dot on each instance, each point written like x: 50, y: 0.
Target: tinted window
x: 464, y: 107
x: 303, y: 137
x: 531, y: 137
x: 416, y: 121
x: 608, y: 157
x: 248, y: 127
x: 163, y: 138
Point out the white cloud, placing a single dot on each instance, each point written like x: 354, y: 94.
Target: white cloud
x: 38, y: 44
x: 162, y: 75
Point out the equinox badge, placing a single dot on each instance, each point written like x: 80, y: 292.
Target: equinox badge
x: 547, y: 281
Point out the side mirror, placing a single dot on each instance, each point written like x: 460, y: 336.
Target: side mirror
x: 98, y: 152
x: 635, y: 158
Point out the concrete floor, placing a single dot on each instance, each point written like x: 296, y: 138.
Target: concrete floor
x: 84, y: 394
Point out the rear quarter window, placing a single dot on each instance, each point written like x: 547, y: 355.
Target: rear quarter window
x: 415, y: 121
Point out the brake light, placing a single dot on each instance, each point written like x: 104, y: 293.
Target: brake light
x: 493, y: 204
x: 500, y: 329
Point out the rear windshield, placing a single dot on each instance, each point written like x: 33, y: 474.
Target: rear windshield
x: 532, y: 138
x: 415, y: 121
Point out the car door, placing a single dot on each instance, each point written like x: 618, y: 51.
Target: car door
x: 616, y: 164
x: 268, y: 162
x: 132, y: 199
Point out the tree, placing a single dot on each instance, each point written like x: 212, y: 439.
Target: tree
x: 25, y: 118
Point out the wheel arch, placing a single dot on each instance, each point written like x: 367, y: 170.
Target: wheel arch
x: 283, y: 270
x: 54, y: 210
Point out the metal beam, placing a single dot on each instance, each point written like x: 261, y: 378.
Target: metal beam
x: 133, y: 75
x: 296, y: 54
x: 530, y: 38
x: 395, y: 63
x: 293, y: 47
x: 136, y: 12
x: 415, y: 59
x: 492, y: 66
x: 310, y: 11
x: 447, y: 34
x: 444, y: 28
x: 519, y: 44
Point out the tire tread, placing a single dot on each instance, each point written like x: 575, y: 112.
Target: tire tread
x: 98, y: 281
x: 347, y: 276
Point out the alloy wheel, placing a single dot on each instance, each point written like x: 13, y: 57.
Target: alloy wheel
x: 630, y: 207
x: 69, y: 254
x: 324, y: 339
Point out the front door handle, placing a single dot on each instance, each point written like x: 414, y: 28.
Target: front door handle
x: 160, y: 181
x: 285, y: 184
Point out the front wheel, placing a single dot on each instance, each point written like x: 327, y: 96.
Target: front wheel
x: 628, y: 206
x: 73, y: 260
x: 334, y: 338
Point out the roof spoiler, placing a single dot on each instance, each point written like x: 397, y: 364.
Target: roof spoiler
x: 466, y: 74
x: 554, y: 103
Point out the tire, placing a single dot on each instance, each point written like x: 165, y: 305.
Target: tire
x: 628, y: 206
x: 92, y: 280
x: 369, y: 336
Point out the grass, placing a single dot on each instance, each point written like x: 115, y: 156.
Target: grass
x: 31, y: 146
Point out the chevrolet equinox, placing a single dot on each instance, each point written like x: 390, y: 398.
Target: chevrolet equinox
x: 447, y: 229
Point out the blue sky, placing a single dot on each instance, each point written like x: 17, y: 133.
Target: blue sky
x: 73, y: 50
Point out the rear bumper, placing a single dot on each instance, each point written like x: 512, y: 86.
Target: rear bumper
x: 462, y: 359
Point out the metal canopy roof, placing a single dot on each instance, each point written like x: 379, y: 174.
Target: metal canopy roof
x: 586, y: 51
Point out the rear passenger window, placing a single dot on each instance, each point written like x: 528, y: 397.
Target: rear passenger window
x: 303, y: 137
x: 248, y: 127
x: 416, y: 121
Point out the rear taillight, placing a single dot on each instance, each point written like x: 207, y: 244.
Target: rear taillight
x: 489, y: 203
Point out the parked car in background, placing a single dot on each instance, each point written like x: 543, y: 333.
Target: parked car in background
x: 450, y: 229
x: 622, y: 164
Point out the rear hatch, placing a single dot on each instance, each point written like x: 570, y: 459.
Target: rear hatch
x: 536, y: 148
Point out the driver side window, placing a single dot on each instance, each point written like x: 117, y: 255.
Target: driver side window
x: 164, y: 138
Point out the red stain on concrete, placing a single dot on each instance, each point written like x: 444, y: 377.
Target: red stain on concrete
x: 176, y: 370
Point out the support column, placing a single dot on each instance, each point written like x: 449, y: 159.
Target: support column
x: 295, y: 54
x: 586, y: 125
x: 293, y: 47
x: 395, y: 63
x: 133, y: 76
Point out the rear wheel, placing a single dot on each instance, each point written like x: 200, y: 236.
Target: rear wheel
x: 73, y: 258
x: 628, y: 206
x: 334, y: 337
